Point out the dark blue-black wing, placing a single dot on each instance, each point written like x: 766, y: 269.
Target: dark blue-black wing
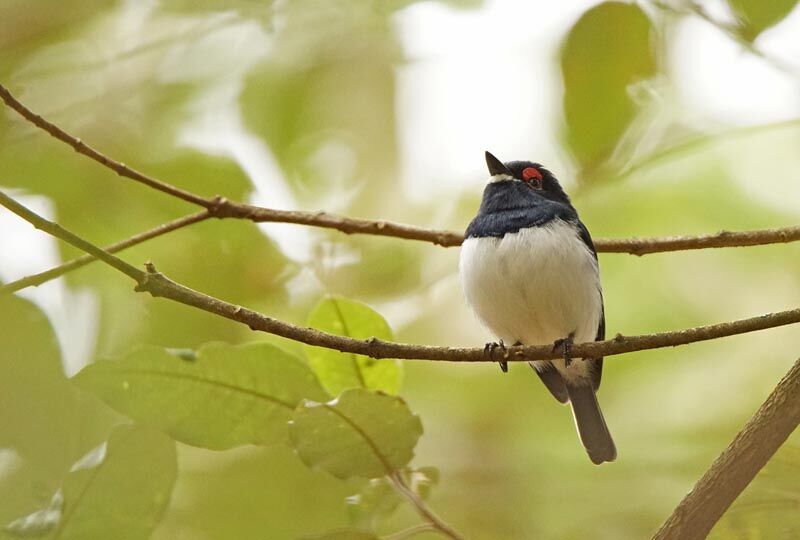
x: 597, y: 363
x: 552, y: 380
x: 500, y: 222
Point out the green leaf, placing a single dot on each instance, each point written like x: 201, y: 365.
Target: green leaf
x: 755, y: 16
x: 44, y: 422
x: 608, y: 49
x: 125, y: 493
x: 339, y: 371
x: 229, y: 396
x: 345, y: 534
x: 358, y: 434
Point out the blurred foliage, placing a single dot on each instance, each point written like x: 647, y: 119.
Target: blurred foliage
x: 25, y: 26
x: 755, y: 16
x: 45, y: 423
x: 608, y: 49
x: 346, y: 534
x: 295, y: 103
x: 770, y: 505
x: 135, y: 471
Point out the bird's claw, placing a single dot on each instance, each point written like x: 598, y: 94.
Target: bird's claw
x: 566, y: 348
x: 488, y: 351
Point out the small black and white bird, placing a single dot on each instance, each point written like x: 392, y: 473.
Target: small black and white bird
x: 529, y: 272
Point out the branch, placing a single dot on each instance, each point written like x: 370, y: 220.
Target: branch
x: 224, y: 208
x: 422, y: 508
x: 229, y: 209
x: 722, y: 239
x: 82, y: 148
x: 54, y: 229
x: 158, y: 285
x: 42, y: 277
x: 733, y: 470
x: 444, y: 238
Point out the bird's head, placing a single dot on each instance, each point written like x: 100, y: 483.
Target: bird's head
x: 530, y: 174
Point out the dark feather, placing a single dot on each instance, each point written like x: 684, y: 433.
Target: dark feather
x: 591, y: 425
x: 553, y: 381
x: 509, y: 206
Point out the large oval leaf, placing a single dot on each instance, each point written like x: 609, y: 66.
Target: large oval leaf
x: 360, y: 433
x: 339, y: 371
x: 120, y: 490
x: 609, y: 48
x: 227, y: 396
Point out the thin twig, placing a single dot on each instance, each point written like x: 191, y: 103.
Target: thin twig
x: 722, y: 239
x: 224, y: 208
x: 690, y: 143
x: 444, y: 238
x: 422, y: 508
x: 54, y: 229
x: 733, y: 470
x: 83, y: 148
x: 158, y: 285
x: 78, y: 262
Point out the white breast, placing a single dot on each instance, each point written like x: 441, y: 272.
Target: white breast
x: 535, y: 286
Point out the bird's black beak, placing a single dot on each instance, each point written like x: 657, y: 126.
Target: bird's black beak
x: 496, y: 166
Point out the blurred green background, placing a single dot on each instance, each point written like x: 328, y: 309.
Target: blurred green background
x: 657, y: 121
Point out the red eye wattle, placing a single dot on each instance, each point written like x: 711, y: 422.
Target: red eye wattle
x: 530, y: 173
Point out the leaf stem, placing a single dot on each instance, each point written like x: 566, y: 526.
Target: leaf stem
x: 422, y: 508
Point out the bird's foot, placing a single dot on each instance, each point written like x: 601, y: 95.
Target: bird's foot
x: 566, y: 348
x: 488, y: 351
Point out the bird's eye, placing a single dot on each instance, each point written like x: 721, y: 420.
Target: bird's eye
x: 533, y: 177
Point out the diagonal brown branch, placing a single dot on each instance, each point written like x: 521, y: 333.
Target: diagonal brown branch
x: 54, y: 229
x: 223, y: 208
x: 78, y: 262
x: 738, y: 464
x: 83, y: 148
x: 159, y: 285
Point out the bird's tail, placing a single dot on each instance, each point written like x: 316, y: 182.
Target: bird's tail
x: 591, y: 426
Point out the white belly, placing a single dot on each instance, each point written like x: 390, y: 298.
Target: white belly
x: 534, y: 286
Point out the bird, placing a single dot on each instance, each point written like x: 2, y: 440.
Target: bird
x: 530, y: 274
